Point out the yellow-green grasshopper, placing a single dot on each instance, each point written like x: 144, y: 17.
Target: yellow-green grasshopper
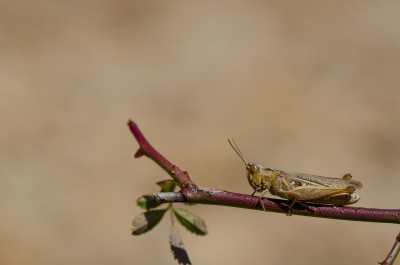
x: 299, y: 187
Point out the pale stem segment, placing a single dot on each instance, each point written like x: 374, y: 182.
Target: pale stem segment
x: 394, y: 252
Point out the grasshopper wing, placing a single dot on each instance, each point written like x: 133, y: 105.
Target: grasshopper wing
x: 303, y: 179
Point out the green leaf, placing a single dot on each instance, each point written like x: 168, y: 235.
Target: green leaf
x: 192, y: 222
x: 167, y: 185
x: 147, y: 202
x: 177, y: 247
x: 146, y: 221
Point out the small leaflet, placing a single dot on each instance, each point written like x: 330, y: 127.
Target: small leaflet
x: 167, y: 185
x: 177, y: 247
x: 192, y: 222
x: 146, y: 221
x: 147, y: 202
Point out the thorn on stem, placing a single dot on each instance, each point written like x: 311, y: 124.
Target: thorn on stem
x: 139, y: 153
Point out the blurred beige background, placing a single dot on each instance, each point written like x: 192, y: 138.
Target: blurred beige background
x: 310, y: 87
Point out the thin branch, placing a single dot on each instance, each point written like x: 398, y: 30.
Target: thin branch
x: 205, y: 195
x: 180, y: 176
x: 391, y: 257
x: 190, y: 192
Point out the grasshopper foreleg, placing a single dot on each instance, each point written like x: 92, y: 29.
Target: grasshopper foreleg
x: 261, y: 200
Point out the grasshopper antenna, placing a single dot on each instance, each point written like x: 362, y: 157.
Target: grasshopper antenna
x: 235, y: 147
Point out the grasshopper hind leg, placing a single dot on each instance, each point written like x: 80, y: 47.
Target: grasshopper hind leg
x: 310, y: 208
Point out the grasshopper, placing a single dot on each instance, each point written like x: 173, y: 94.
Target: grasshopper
x: 299, y: 187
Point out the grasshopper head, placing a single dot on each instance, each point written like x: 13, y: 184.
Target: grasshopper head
x: 256, y: 176
x: 255, y: 173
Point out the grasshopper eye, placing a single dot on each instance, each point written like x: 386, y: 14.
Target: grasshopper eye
x: 253, y: 168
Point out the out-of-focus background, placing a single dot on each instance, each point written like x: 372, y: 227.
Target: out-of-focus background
x: 302, y: 86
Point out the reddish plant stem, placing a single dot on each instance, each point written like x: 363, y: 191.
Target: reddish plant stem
x: 205, y: 195
x: 180, y: 176
x: 393, y: 252
x: 192, y: 193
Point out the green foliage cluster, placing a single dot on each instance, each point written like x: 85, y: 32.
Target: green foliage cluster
x: 149, y: 219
